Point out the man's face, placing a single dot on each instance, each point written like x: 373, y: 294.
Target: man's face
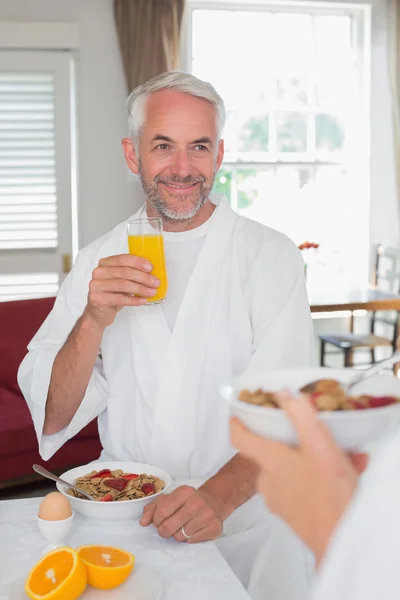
x: 179, y: 153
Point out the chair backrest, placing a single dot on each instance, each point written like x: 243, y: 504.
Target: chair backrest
x: 386, y: 274
x: 386, y: 277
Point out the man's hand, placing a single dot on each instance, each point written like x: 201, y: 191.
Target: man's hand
x: 309, y: 486
x: 195, y: 510
x: 117, y: 281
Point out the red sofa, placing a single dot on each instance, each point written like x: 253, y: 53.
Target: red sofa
x: 19, y: 321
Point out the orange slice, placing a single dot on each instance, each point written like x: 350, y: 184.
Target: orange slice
x: 58, y: 575
x: 106, y: 566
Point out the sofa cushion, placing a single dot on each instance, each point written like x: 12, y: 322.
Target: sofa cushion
x: 16, y: 428
x: 78, y: 451
x: 17, y: 433
x: 20, y: 320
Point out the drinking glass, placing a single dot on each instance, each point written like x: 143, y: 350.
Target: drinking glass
x: 146, y: 239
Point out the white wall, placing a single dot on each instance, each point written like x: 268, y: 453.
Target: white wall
x: 384, y: 209
x: 106, y: 191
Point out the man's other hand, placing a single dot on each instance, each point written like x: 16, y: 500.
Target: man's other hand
x: 196, y: 511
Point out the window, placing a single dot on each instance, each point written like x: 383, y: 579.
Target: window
x: 36, y: 185
x: 296, y: 138
x: 28, y: 193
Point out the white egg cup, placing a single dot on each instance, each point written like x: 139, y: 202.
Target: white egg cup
x: 55, y: 531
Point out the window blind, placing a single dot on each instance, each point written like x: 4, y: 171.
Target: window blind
x: 28, y: 285
x: 28, y: 194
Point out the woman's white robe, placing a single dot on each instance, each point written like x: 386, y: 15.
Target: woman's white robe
x: 362, y: 562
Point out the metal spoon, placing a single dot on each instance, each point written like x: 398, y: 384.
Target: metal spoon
x: 45, y: 473
x: 309, y: 388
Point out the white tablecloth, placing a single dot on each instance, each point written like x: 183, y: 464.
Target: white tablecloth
x: 195, y: 572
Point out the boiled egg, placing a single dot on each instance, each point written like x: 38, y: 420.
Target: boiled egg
x: 55, y: 507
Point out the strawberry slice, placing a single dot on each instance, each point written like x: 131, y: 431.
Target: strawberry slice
x: 130, y: 476
x: 117, y: 484
x: 379, y: 401
x: 107, y: 498
x: 357, y: 405
x: 148, y: 488
x: 103, y: 473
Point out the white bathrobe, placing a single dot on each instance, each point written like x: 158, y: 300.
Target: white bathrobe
x: 155, y: 392
x: 362, y: 562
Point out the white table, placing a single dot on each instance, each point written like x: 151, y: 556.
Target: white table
x: 195, y: 572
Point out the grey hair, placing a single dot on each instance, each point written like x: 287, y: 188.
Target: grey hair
x: 179, y: 82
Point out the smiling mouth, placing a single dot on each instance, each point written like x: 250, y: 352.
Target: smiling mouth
x: 185, y: 186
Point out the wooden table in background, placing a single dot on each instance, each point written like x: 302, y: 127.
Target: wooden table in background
x: 357, y: 299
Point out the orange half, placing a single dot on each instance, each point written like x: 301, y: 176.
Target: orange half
x: 58, y: 575
x: 107, y: 567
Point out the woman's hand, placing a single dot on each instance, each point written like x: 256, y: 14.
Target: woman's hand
x: 308, y: 486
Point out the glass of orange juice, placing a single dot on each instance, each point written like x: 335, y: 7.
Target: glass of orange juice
x: 146, y: 239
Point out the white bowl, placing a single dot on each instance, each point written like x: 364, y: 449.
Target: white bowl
x: 352, y: 429
x: 112, y: 511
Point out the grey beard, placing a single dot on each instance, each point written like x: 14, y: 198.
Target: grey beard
x: 155, y: 199
x: 172, y: 215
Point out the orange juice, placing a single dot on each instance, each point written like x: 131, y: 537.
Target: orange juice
x: 151, y: 247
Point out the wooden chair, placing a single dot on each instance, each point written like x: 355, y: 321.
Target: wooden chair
x: 386, y: 276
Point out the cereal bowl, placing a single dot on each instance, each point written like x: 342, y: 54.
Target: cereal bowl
x: 112, y: 511
x: 352, y: 429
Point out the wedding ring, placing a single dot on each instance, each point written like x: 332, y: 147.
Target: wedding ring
x: 185, y: 534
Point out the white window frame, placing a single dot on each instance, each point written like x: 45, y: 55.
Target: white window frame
x: 52, y: 36
x: 361, y: 13
x: 63, y: 39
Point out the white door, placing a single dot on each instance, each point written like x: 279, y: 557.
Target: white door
x: 35, y: 171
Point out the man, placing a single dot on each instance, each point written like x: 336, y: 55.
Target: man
x: 352, y: 529
x: 151, y: 374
